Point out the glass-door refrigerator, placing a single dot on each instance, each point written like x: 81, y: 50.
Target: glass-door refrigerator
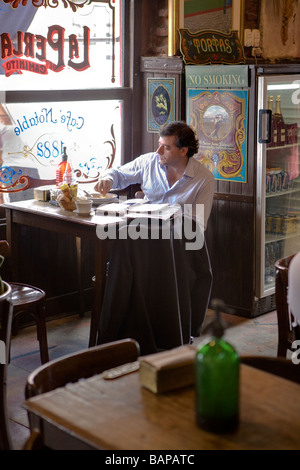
x: 278, y: 182
x: 247, y: 120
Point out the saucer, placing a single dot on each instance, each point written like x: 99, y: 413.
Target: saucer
x: 98, y: 199
x: 83, y: 214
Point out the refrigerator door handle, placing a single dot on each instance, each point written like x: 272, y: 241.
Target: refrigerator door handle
x: 264, y: 126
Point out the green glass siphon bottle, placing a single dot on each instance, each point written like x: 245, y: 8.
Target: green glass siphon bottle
x: 217, y: 379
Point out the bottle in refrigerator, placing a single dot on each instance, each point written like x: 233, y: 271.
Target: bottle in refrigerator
x: 279, y: 122
x: 270, y: 107
x: 268, y: 277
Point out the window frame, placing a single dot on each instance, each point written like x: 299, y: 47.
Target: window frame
x: 122, y: 93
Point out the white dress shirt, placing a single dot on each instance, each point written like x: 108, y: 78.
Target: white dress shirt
x: 196, y: 186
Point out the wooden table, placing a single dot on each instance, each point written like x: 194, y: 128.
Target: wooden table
x: 119, y: 414
x: 46, y: 216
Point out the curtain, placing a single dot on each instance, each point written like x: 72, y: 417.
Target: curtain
x: 15, y: 19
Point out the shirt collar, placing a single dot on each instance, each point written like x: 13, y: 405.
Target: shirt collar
x: 190, y: 168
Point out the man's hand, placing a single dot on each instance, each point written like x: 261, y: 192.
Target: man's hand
x: 103, y: 186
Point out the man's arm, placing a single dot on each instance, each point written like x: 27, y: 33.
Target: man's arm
x: 120, y: 178
x: 104, y: 186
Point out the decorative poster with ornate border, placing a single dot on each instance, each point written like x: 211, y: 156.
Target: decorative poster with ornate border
x: 219, y: 118
x: 160, y: 102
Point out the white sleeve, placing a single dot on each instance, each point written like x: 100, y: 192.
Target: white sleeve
x: 205, y: 197
x: 130, y: 173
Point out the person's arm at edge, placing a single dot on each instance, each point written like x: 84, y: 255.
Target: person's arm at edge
x: 121, y: 177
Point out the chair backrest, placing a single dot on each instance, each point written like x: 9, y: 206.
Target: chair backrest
x: 279, y: 366
x: 4, y: 248
x: 6, y: 312
x: 6, y: 268
x: 285, y: 318
x: 82, y: 364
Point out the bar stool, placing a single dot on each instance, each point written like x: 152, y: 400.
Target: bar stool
x: 285, y: 318
x: 29, y: 299
x: 6, y: 312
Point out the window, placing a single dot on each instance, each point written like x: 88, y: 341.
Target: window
x: 64, y: 84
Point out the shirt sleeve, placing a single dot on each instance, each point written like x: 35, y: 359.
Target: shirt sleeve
x: 130, y: 173
x: 205, y: 196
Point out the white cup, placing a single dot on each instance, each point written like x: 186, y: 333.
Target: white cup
x: 84, y: 206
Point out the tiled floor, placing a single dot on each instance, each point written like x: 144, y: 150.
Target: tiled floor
x: 69, y: 334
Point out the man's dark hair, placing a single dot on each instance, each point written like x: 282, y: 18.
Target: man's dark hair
x: 185, y: 136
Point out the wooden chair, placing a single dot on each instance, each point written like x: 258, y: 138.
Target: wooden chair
x: 82, y: 364
x: 71, y: 368
x: 29, y: 299
x: 287, y: 327
x: 279, y: 366
x: 6, y: 312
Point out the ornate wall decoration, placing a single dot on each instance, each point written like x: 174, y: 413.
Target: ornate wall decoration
x: 160, y: 102
x: 220, y: 120
x: 211, y: 47
x: 74, y: 5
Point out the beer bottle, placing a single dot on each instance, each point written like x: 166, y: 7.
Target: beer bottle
x: 273, y: 131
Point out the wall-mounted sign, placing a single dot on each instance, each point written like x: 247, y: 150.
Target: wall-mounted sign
x: 64, y: 36
x: 217, y: 76
x: 160, y: 102
x: 211, y: 47
x: 219, y: 118
x: 36, y: 46
x: 217, y: 109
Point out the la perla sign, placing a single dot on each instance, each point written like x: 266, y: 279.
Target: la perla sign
x: 31, y: 46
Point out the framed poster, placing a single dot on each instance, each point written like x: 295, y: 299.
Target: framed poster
x: 219, y: 117
x: 160, y: 102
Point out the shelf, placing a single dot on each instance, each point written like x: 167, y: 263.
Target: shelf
x: 282, y: 192
x: 270, y: 238
x: 282, y: 147
x: 270, y: 284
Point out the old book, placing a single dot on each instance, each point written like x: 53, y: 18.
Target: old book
x: 168, y: 370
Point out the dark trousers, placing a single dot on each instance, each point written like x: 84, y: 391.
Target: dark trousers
x: 156, y: 292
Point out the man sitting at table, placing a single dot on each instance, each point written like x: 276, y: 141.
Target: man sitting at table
x: 156, y: 291
x: 169, y: 175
